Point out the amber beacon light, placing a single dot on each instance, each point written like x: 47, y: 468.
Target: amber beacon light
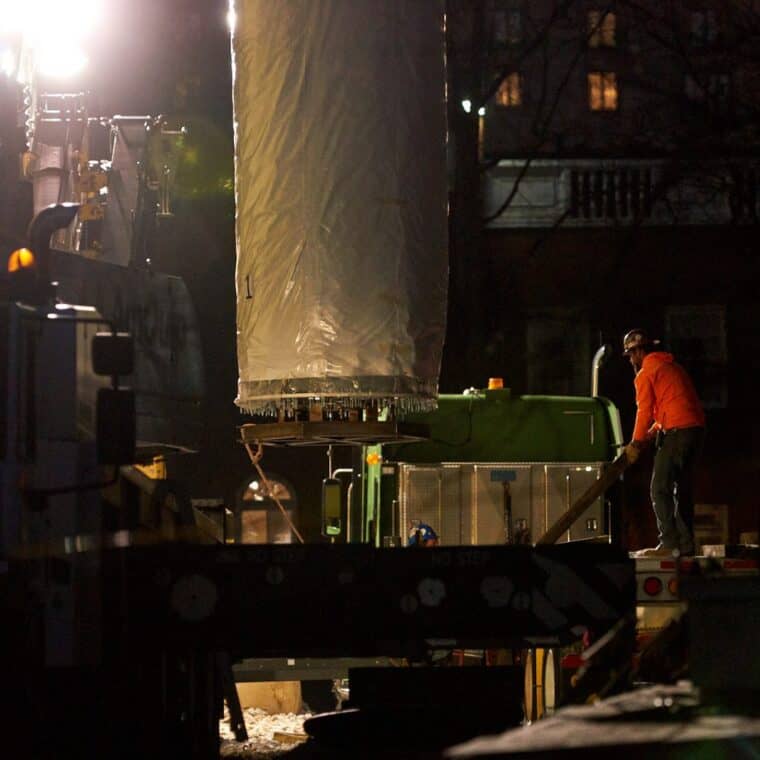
x: 21, y: 258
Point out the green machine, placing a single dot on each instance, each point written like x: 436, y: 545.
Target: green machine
x: 495, y: 468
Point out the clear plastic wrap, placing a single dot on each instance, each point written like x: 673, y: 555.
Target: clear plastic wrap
x: 340, y: 161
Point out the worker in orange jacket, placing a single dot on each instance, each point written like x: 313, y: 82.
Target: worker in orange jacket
x: 670, y: 414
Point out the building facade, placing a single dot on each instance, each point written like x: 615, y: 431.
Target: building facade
x: 619, y: 157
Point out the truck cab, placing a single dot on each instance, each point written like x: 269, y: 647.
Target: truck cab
x: 497, y: 467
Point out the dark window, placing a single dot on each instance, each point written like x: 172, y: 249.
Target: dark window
x: 742, y: 195
x: 558, y: 353
x: 697, y: 337
x: 506, y: 26
x: 704, y: 28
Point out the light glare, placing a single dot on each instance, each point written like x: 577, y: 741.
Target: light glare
x: 51, y: 31
x: 61, y: 61
x: 40, y: 19
x: 8, y: 63
x: 467, y: 106
x: 12, y: 16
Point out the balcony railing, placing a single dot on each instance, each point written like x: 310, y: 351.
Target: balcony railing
x: 597, y: 193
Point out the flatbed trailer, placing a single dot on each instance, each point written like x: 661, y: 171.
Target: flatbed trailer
x: 658, y: 583
x: 661, y: 602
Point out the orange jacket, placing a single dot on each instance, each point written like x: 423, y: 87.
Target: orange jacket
x: 665, y: 396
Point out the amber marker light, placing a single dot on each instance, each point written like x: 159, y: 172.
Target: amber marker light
x: 495, y: 383
x: 21, y: 258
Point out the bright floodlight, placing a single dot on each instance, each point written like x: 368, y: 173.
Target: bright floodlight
x: 52, y: 31
x: 60, y: 61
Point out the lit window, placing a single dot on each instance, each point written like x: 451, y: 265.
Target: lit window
x: 602, y: 91
x: 510, y: 91
x: 259, y: 519
x: 507, y: 26
x: 601, y: 29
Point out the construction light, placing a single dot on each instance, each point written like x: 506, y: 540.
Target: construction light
x: 61, y: 62
x: 52, y: 32
x: 21, y: 258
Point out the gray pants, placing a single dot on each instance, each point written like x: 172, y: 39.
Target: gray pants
x: 672, y: 488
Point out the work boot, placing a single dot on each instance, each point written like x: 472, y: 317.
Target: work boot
x: 657, y: 551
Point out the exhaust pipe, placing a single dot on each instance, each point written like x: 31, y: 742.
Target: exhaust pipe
x: 600, y: 356
x: 39, y: 232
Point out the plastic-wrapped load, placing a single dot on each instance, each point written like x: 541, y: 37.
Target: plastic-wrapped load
x: 341, y: 201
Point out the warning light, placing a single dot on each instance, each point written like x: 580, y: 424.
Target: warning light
x: 21, y: 258
x: 652, y: 586
x: 374, y: 459
x: 495, y: 383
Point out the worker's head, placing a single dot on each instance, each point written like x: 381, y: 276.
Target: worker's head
x: 421, y: 534
x: 636, y: 345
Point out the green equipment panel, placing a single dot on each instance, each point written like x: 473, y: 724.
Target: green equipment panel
x: 494, y: 427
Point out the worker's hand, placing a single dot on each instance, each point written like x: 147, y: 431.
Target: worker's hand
x: 632, y: 452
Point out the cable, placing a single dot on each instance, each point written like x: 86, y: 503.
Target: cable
x: 255, y: 459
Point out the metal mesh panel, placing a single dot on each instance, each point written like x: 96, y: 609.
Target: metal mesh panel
x: 433, y: 495
x: 464, y: 501
x: 564, y: 484
x: 489, y: 504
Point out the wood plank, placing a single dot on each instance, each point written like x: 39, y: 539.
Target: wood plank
x: 585, y: 500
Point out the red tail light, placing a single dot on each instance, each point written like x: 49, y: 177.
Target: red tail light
x: 652, y: 586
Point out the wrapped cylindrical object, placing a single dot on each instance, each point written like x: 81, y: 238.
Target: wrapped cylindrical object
x: 340, y: 170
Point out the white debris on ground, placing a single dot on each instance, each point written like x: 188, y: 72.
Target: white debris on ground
x: 262, y: 727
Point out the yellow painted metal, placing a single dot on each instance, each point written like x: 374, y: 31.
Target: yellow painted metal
x: 154, y: 471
